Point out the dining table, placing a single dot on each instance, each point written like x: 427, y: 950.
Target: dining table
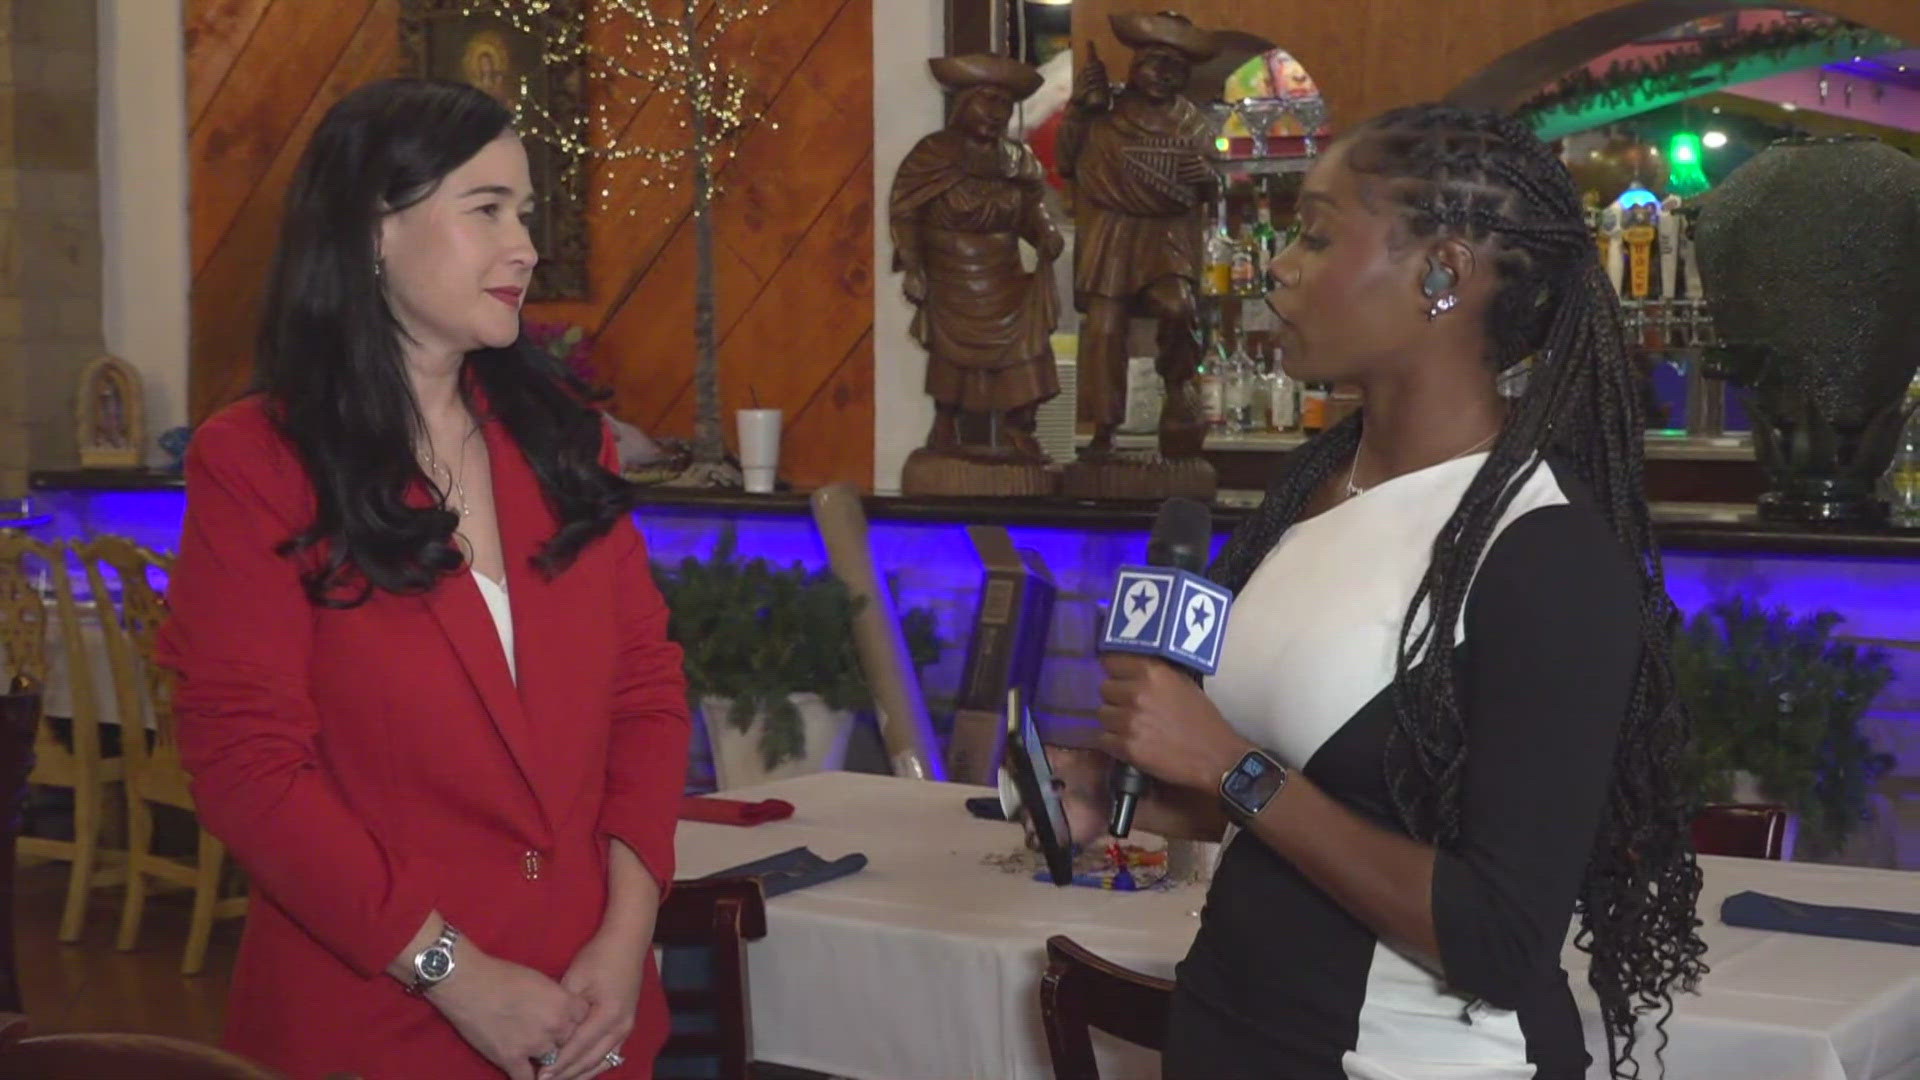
x: 926, y: 963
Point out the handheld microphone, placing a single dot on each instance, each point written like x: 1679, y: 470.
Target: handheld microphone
x: 1166, y: 609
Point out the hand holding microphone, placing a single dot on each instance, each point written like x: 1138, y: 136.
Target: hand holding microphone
x: 1156, y: 718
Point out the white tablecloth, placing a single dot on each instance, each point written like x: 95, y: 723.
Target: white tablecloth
x: 926, y: 964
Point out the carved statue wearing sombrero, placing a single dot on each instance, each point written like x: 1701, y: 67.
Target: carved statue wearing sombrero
x: 1136, y: 156
x: 962, y: 201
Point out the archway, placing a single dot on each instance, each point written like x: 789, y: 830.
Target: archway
x: 1370, y: 55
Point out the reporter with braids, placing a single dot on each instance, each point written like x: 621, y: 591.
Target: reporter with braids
x: 1451, y: 639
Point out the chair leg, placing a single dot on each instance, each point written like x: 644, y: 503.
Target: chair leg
x: 206, y: 893
x: 86, y: 849
x: 139, y: 848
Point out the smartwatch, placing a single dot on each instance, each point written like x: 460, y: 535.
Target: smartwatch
x: 1250, y: 785
x: 433, y: 964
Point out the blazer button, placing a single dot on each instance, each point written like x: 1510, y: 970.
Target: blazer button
x: 530, y: 862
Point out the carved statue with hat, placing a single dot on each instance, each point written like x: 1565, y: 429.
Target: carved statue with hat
x: 1137, y: 157
x: 962, y: 201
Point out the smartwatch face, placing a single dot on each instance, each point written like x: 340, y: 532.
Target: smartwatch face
x: 436, y: 964
x: 1248, y: 779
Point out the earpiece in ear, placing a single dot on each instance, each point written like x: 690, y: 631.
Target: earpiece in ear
x: 1440, y: 279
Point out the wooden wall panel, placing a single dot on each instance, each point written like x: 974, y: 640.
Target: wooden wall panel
x: 1370, y: 55
x: 226, y: 290
x: 258, y: 105
x: 794, y: 223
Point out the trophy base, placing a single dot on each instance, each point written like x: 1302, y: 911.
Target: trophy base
x: 1824, y: 502
x: 1131, y: 476
x: 981, y: 471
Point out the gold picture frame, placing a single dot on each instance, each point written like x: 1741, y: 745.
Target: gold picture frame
x: 110, y: 415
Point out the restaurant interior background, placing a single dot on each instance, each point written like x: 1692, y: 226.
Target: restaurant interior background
x: 144, y: 148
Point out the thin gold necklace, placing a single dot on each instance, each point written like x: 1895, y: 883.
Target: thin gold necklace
x: 1354, y: 466
x: 453, y: 488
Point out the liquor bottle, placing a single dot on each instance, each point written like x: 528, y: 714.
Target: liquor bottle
x: 1265, y: 243
x: 1212, y: 393
x: 1283, y: 401
x: 1246, y: 266
x: 1903, y: 477
x: 1260, y: 409
x: 1218, y: 279
x: 1236, y: 390
x: 1314, y: 399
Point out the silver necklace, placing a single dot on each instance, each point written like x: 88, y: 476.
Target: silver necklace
x: 1354, y: 466
x: 452, y: 487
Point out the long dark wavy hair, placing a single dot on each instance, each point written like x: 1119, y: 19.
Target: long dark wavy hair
x: 331, y: 367
x: 1484, y: 178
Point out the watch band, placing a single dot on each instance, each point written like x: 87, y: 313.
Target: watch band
x: 1250, y: 785
x: 433, y: 964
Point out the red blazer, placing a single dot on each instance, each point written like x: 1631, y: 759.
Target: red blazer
x: 369, y: 766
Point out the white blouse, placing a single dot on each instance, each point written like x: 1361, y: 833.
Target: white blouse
x: 495, y: 594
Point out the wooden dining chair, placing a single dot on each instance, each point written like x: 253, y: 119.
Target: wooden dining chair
x: 1745, y: 830
x: 152, y: 752
x: 80, y: 764
x: 98, y: 1055
x: 702, y: 930
x: 1080, y: 991
x: 19, y: 720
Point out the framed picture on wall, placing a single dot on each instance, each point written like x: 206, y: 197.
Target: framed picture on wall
x: 440, y: 40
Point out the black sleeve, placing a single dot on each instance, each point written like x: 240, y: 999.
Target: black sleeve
x: 1551, y: 647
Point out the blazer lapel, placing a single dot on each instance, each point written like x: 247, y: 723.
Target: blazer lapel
x: 525, y: 525
x: 464, y: 617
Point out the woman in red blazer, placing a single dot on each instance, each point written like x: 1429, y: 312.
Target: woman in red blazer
x: 424, y: 685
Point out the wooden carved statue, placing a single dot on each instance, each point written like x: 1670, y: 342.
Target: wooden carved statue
x: 962, y: 201
x: 1136, y: 155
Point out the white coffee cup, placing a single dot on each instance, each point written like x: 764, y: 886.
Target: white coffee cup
x: 759, y: 447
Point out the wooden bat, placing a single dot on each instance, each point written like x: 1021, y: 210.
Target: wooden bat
x: 902, y: 712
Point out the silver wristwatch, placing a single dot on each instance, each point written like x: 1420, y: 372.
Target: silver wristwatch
x: 433, y: 964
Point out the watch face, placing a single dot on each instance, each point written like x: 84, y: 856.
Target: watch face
x: 1252, y: 783
x: 436, y: 964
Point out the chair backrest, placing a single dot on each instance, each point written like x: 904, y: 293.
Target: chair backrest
x: 1747, y: 830
x: 100, y: 1055
x: 23, y: 611
x: 25, y: 564
x: 129, y: 630
x: 1081, y: 991
x: 19, y: 721
x: 702, y: 931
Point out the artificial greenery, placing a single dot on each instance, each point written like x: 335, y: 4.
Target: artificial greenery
x: 755, y: 633
x: 1776, y: 695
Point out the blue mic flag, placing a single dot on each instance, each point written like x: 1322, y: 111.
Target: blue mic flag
x: 1172, y: 614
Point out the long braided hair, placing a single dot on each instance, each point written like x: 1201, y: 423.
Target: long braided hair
x: 1484, y: 178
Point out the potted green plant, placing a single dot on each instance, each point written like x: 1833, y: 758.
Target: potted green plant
x: 770, y: 660
x: 1776, y: 703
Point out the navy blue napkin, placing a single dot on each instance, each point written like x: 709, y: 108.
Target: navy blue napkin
x: 1763, y: 912
x: 797, y: 868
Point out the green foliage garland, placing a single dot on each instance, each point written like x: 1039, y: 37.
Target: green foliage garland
x: 1777, y: 696
x: 755, y: 633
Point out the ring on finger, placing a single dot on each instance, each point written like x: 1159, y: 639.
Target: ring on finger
x: 549, y: 1059
x: 614, y: 1059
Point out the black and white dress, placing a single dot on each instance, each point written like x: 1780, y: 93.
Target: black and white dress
x: 1281, y: 981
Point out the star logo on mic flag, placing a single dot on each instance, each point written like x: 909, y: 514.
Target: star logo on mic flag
x: 1139, y: 614
x: 1199, y: 614
x: 1142, y: 599
x: 1203, y: 616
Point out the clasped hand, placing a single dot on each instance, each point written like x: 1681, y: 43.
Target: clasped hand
x: 1156, y: 718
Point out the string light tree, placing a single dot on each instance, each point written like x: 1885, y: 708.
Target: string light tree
x: 681, y: 51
